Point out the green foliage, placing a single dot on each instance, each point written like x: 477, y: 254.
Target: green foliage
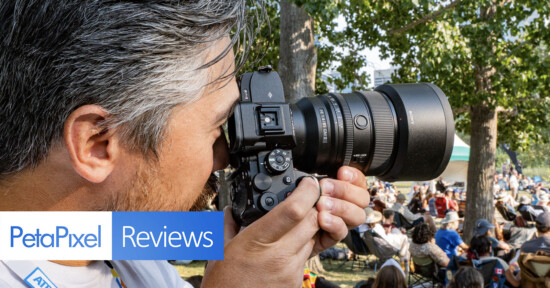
x: 265, y: 49
x: 449, y: 43
x: 264, y: 26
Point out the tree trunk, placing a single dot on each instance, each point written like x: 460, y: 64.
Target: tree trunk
x: 481, y: 168
x: 297, y: 66
x: 297, y: 56
x: 483, y: 144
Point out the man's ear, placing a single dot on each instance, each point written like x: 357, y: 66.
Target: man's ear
x: 93, y: 150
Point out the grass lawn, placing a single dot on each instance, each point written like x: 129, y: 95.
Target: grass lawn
x: 341, y: 275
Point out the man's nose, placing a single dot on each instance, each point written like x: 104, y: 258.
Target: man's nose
x: 221, y: 153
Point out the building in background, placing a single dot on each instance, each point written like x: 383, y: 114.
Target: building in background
x: 383, y: 76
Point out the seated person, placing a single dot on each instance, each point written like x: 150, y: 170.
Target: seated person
x: 447, y: 238
x: 543, y: 203
x: 500, y: 202
x: 389, y: 217
x: 415, y: 219
x: 390, y: 275
x: 525, y: 207
x: 423, y: 246
x: 500, y: 248
x: 395, y: 238
x: 516, y: 236
x: 441, y: 205
x: 542, y: 242
x: 480, y: 249
x: 415, y: 205
x: 378, y: 203
x: 466, y: 277
x: 453, y: 205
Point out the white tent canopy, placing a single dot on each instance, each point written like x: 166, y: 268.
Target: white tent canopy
x: 457, y: 170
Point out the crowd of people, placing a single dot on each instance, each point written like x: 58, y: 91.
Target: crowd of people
x: 426, y: 227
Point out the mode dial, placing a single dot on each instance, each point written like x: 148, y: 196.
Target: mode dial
x: 278, y: 161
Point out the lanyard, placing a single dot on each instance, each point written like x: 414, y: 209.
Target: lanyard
x: 35, y: 277
x: 31, y: 274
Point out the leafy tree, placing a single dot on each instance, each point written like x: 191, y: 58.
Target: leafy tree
x: 489, y: 56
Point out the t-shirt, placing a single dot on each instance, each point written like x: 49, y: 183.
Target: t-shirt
x: 448, y: 240
x: 538, y: 244
x: 97, y: 274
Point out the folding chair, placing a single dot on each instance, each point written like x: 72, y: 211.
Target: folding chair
x: 424, y: 273
x: 507, y: 215
x: 379, y: 247
x: 528, y: 216
x: 400, y: 221
x: 358, y: 247
x: 535, y: 269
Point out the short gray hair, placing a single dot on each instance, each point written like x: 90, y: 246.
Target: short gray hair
x: 136, y: 59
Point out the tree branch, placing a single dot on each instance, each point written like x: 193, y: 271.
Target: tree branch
x: 426, y: 18
x: 461, y: 110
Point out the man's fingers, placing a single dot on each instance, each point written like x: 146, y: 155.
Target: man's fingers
x: 230, y: 227
x: 350, y: 213
x: 345, y: 191
x: 353, y: 176
x: 289, y: 213
x: 333, y: 230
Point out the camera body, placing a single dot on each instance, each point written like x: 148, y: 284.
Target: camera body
x: 396, y: 132
x: 261, y: 141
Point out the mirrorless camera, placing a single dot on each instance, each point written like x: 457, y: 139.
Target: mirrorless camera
x: 396, y: 132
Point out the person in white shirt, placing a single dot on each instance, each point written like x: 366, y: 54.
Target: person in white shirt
x: 395, y: 238
x: 400, y: 207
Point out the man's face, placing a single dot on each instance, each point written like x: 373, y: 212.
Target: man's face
x: 193, y: 148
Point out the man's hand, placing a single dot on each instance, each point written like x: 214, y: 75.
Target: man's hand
x: 272, y: 251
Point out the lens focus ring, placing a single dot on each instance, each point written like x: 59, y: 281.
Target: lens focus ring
x: 348, y: 136
x: 384, y: 124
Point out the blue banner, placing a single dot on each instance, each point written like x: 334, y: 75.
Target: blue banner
x: 167, y: 235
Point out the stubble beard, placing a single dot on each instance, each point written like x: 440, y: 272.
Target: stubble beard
x: 142, y: 194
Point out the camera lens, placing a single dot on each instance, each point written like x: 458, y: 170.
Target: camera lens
x: 396, y: 132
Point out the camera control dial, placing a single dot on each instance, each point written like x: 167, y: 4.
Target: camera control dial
x: 278, y: 160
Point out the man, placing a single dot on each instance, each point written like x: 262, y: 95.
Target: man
x: 500, y: 248
x: 543, y: 203
x: 441, y: 185
x: 514, y: 184
x: 399, y: 206
x: 453, y: 205
x: 526, y: 207
x: 542, y: 242
x: 116, y: 105
x: 447, y: 238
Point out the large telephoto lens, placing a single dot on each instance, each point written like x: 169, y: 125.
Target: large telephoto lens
x: 396, y: 132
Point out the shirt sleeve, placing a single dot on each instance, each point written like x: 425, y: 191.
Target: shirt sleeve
x: 409, y: 215
x: 456, y: 240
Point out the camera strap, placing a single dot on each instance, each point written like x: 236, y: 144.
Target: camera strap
x: 30, y: 273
